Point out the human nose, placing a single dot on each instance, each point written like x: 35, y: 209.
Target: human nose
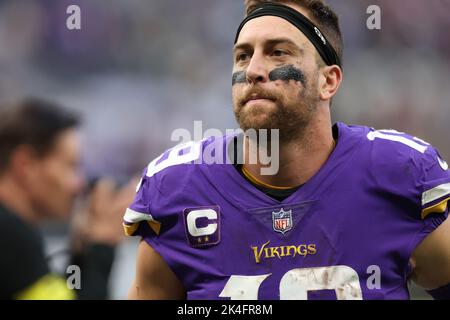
x: 257, y: 69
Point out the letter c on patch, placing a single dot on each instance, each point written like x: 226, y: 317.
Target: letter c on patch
x: 192, y: 218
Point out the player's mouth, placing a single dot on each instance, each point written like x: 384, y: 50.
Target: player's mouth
x: 254, y: 99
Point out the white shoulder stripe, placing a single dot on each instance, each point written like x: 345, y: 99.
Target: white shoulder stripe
x: 132, y: 216
x: 372, y: 135
x: 435, y: 193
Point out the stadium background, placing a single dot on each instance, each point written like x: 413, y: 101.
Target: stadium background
x: 138, y: 69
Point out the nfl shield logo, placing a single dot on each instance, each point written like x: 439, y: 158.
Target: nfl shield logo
x: 282, y: 221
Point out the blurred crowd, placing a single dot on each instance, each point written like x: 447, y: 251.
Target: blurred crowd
x: 139, y: 69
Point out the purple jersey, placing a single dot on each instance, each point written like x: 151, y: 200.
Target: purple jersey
x: 347, y: 233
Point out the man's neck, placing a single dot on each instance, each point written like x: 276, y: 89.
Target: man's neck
x: 299, y: 160
x: 14, y: 197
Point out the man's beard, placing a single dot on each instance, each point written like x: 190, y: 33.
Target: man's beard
x: 291, y: 118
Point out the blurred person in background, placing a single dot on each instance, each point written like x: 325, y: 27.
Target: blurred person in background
x: 40, y: 179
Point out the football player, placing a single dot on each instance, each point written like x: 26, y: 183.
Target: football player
x: 352, y: 213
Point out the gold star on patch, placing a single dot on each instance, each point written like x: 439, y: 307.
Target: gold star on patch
x: 206, y: 239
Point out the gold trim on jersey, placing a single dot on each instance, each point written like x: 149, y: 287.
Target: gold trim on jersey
x: 254, y: 180
x: 437, y: 208
x: 130, y: 229
x: 435, y: 193
x: 134, y: 217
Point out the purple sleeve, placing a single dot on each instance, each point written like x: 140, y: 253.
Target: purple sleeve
x: 433, y: 182
x: 138, y: 219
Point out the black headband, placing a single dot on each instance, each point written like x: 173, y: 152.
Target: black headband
x: 308, y: 28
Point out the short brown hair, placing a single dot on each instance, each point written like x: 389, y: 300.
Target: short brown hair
x: 321, y: 14
x: 32, y: 122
